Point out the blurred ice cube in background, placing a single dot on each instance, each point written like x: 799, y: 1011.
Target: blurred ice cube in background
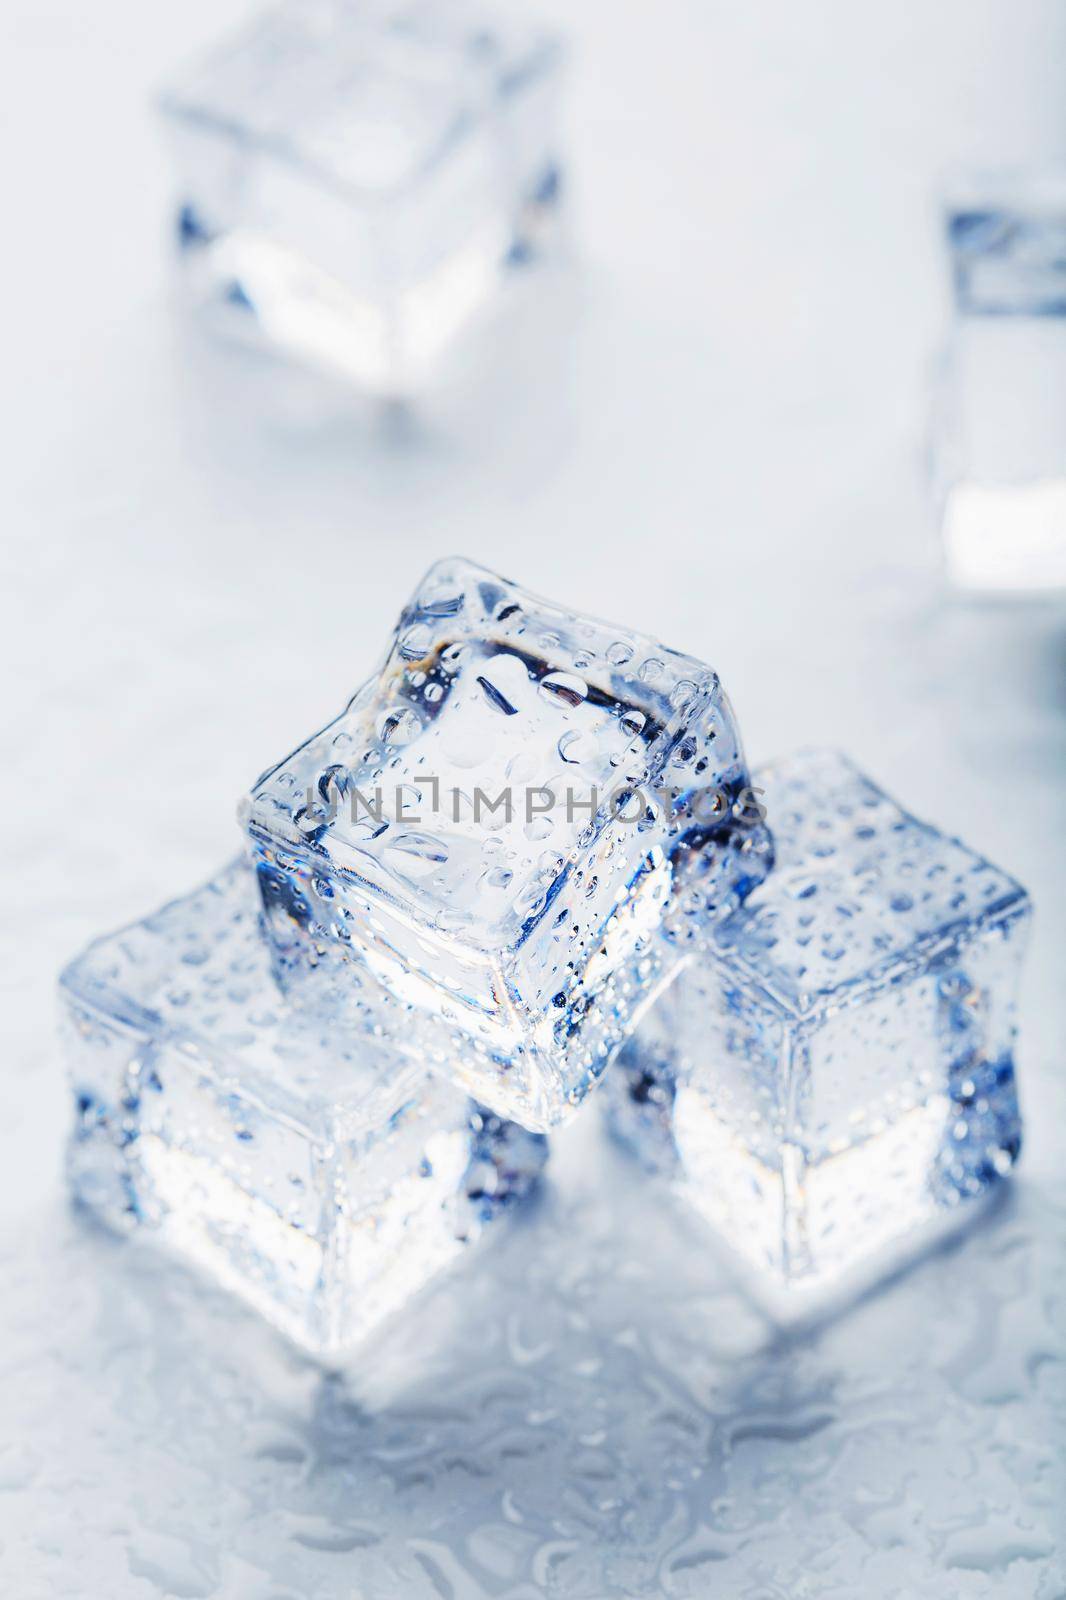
x: 1001, y: 426
x: 357, y: 181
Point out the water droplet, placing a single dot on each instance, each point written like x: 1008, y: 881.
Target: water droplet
x: 399, y: 727
x: 415, y: 856
x: 522, y: 767
x: 497, y: 877
x: 442, y: 597
x: 415, y: 642
x: 530, y: 904
x: 365, y: 829
x: 311, y: 820
x: 619, y: 653
x: 333, y: 782
x: 575, y: 747
x: 563, y: 689
x: 632, y: 721
x: 423, y: 845
x: 651, y: 670
x: 406, y: 799
x: 683, y: 694
x: 496, y: 698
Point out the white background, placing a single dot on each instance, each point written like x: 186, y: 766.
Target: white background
x: 710, y: 425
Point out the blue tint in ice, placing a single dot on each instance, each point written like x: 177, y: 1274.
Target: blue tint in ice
x: 1006, y: 233
x: 516, y: 826
x: 297, y: 1158
x: 835, y: 1069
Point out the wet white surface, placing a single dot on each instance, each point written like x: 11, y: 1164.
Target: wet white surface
x: 200, y: 559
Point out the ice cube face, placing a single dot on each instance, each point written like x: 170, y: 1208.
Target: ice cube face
x: 1000, y: 446
x: 297, y: 1158
x: 835, y: 1070
x: 357, y: 176
x: 516, y: 826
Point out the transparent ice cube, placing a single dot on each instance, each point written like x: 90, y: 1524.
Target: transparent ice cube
x: 357, y: 175
x: 516, y: 825
x: 835, y: 1070
x: 297, y: 1158
x: 1001, y: 423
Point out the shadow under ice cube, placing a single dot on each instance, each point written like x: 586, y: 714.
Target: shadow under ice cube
x: 834, y: 1072
x: 515, y: 827
x: 359, y: 175
x: 297, y: 1158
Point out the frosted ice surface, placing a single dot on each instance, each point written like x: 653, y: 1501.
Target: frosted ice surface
x: 498, y: 825
x: 837, y: 1070
x: 296, y: 1157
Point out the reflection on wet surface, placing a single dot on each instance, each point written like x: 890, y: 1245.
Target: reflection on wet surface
x: 585, y: 1408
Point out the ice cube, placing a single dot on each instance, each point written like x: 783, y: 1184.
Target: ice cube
x: 295, y: 1157
x: 358, y: 177
x: 835, y: 1070
x: 497, y: 827
x: 1000, y: 442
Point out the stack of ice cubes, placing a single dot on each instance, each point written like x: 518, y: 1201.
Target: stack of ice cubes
x: 526, y: 857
